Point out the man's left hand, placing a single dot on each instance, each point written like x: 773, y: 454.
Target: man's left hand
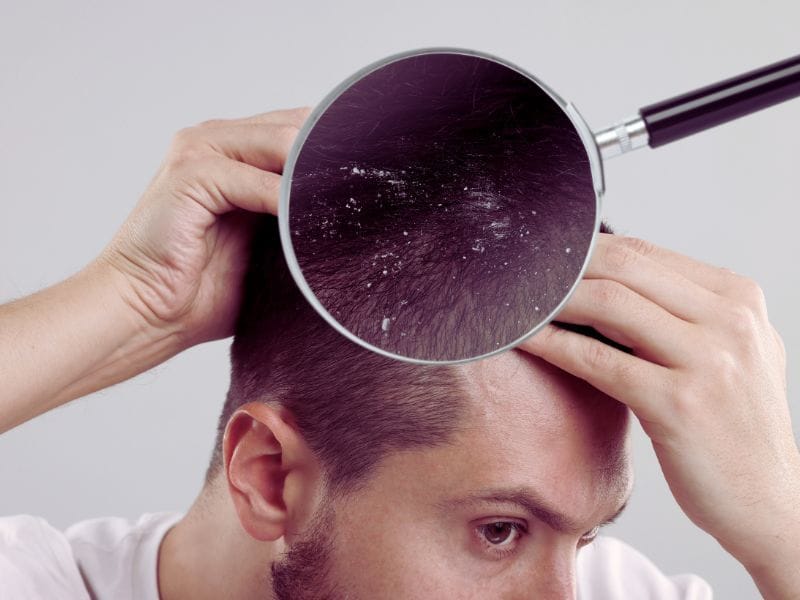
x: 707, y: 381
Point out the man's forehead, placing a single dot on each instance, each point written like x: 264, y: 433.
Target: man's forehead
x: 533, y: 424
x: 519, y: 382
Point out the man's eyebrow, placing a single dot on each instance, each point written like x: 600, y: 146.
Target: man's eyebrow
x: 533, y: 504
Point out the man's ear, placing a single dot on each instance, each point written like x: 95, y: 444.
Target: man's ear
x: 273, y: 477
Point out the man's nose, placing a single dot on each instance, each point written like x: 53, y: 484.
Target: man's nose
x: 551, y: 578
x: 561, y: 586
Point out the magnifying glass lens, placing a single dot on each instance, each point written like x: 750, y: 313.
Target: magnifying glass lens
x: 441, y: 207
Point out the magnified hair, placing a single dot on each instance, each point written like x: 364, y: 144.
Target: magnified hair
x: 441, y: 207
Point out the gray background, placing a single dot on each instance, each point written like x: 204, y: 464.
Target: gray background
x: 91, y: 93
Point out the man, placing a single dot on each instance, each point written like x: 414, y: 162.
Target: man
x: 339, y: 473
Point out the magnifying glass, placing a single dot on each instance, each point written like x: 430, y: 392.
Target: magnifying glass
x: 440, y: 205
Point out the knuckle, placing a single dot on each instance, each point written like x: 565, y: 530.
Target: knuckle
x: 597, y: 356
x: 690, y: 394
x: 271, y: 183
x: 547, y: 336
x: 301, y: 113
x: 740, y: 320
x: 183, y: 137
x: 607, y: 293
x: 619, y: 256
x: 750, y: 292
x: 623, y: 372
x: 285, y: 135
x: 200, y: 183
x: 638, y: 245
x: 723, y: 367
x: 211, y: 123
x: 779, y: 340
x: 287, y: 131
x: 684, y: 402
x: 184, y: 148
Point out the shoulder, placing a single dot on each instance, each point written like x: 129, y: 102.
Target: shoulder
x: 113, y: 534
x: 98, y: 558
x: 119, y: 557
x: 36, y: 561
x: 611, y: 569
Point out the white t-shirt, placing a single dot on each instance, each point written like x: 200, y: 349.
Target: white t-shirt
x: 116, y: 559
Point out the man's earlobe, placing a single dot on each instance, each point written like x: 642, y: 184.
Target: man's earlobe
x: 265, y: 461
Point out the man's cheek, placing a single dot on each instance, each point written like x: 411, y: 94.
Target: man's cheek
x: 384, y: 563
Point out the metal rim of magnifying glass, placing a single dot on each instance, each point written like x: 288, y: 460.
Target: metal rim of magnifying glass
x: 586, y: 136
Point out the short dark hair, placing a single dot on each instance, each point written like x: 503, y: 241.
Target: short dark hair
x: 352, y: 406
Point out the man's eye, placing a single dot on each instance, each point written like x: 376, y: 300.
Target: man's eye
x: 501, y: 535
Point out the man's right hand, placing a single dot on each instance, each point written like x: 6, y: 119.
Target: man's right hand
x: 169, y: 279
x: 183, y: 249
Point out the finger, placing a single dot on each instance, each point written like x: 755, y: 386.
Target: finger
x: 715, y: 279
x: 262, y: 145
x: 292, y: 116
x: 262, y: 140
x: 222, y: 185
x: 614, y: 259
x: 628, y: 318
x: 631, y: 380
x: 288, y: 116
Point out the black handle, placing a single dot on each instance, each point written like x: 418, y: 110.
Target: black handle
x: 720, y: 102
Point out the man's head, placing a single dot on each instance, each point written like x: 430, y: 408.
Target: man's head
x: 393, y: 480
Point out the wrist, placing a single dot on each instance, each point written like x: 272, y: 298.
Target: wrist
x: 774, y: 570
x: 71, y: 339
x: 113, y: 340
x: 769, y: 545
x: 140, y: 323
